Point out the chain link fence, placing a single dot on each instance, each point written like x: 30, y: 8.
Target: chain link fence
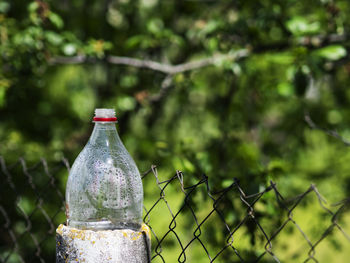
x: 189, y: 222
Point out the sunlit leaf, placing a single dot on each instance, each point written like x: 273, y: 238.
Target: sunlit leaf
x: 56, y: 20
x: 333, y: 52
x: 300, y: 25
x: 285, y: 89
x: 69, y: 49
x: 53, y: 38
x: 4, y: 7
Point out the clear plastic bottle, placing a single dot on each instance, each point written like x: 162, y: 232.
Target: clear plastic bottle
x: 104, y: 188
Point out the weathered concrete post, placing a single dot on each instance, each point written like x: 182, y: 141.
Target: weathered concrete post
x: 104, y: 196
x: 102, y: 246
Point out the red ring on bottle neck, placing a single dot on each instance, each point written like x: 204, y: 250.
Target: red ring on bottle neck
x: 105, y: 119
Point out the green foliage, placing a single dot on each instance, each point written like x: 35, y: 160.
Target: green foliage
x: 334, y: 52
x: 242, y: 118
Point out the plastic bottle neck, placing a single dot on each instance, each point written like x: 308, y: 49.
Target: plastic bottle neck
x: 104, y: 125
x: 105, y: 134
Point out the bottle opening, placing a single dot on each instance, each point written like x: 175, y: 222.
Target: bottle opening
x: 105, y: 115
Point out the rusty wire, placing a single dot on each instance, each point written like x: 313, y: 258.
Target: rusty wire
x: 32, y: 205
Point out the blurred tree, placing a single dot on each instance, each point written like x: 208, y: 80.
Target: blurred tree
x: 215, y: 87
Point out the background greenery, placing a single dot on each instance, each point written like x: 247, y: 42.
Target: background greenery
x: 237, y: 116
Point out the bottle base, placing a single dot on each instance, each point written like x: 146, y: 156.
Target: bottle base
x: 104, y: 225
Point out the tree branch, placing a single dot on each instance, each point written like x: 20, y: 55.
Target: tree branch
x: 164, y: 88
x: 310, y: 42
x: 68, y: 60
x: 332, y: 133
x: 153, y: 65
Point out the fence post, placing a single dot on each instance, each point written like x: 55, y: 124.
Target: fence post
x: 102, y: 246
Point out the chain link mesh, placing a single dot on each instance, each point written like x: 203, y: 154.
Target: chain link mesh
x: 189, y: 222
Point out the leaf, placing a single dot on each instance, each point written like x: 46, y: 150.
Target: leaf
x: 69, y: 49
x: 155, y: 25
x: 134, y: 41
x: 53, y: 38
x: 210, y: 27
x: 333, y: 52
x: 226, y: 183
x: 126, y: 103
x: 188, y: 165
x: 283, y: 58
x: 26, y: 205
x: 2, y: 95
x: 128, y: 81
x: 300, y: 25
x: 334, y: 117
x: 56, y: 20
x: 285, y: 89
x: 33, y: 6
x: 4, y: 7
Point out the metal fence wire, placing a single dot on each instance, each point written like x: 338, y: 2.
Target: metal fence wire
x: 188, y: 221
